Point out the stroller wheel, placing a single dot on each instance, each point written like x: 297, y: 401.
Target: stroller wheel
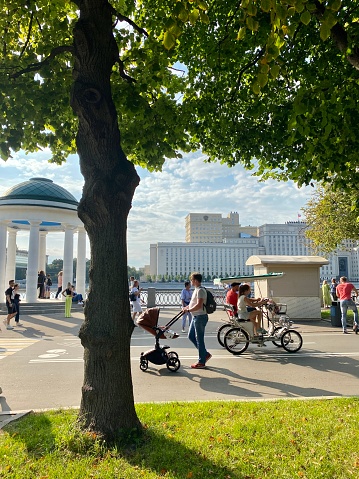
x: 143, y: 364
x: 173, y: 364
x: 172, y: 354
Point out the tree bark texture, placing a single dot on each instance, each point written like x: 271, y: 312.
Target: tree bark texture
x: 107, y: 404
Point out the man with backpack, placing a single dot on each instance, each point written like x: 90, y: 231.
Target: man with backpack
x: 196, y: 331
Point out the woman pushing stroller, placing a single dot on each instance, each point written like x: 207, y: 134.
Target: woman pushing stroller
x: 254, y: 316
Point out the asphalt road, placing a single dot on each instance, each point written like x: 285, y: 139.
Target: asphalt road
x: 42, y: 366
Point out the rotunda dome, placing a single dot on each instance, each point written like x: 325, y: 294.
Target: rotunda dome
x: 41, y: 189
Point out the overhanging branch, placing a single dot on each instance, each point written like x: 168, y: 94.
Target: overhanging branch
x: 245, y: 68
x: 123, y: 18
x: 123, y: 74
x: 38, y: 65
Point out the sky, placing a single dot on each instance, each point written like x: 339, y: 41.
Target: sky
x: 163, y: 199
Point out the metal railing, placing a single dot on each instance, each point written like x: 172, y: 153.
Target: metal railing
x: 164, y: 297
x: 171, y: 297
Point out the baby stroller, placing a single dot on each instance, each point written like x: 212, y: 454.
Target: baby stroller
x: 148, y: 321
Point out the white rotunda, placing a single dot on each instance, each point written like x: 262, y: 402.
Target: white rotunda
x: 40, y: 206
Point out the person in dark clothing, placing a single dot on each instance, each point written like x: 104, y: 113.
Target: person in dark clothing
x: 16, y: 302
x: 41, y: 284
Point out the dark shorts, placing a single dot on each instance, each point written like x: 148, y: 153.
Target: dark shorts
x: 10, y: 309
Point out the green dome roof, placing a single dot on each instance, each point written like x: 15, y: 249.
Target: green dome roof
x: 40, y: 189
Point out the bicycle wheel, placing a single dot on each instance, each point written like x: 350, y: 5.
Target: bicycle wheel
x: 236, y: 340
x: 278, y: 341
x: 291, y: 341
x: 222, y: 331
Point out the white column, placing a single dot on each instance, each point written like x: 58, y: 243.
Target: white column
x: 42, y: 251
x: 32, y: 263
x: 68, y: 267
x: 81, y: 262
x: 3, y: 231
x: 11, y: 254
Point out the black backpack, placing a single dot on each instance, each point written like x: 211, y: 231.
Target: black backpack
x: 49, y: 282
x: 210, y: 304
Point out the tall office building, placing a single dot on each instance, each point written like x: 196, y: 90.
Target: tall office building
x: 213, y: 228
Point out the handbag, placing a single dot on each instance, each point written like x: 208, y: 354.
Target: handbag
x: 133, y: 297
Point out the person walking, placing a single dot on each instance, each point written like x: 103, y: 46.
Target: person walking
x: 327, y: 300
x: 135, y: 298
x: 344, y: 293
x: 59, y: 284
x: 186, y: 295
x: 197, y: 307
x: 68, y: 293
x: 17, y: 304
x: 11, y: 313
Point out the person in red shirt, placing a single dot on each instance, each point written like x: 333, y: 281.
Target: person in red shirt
x: 232, y: 296
x: 344, y: 293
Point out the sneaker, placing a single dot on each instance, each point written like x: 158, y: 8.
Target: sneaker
x: 18, y: 324
x: 183, y: 330
x: 208, y: 357
x: 198, y: 366
x: 9, y: 327
x: 355, y: 328
x: 80, y: 302
x: 345, y: 331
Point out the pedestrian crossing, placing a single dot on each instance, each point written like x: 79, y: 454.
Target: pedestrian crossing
x: 9, y: 346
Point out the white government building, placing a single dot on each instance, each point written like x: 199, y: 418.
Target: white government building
x: 218, y: 247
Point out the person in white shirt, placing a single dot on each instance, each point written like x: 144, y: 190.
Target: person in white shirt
x: 254, y: 316
x: 199, y: 321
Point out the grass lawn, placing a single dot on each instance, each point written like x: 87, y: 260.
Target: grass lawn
x: 220, y: 440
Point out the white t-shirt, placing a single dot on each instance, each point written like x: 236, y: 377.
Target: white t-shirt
x: 242, y: 308
x: 199, y: 293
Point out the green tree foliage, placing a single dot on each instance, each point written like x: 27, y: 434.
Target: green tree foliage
x: 331, y: 217
x: 37, y: 60
x: 271, y: 84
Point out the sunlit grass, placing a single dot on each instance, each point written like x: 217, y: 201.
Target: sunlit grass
x: 221, y: 440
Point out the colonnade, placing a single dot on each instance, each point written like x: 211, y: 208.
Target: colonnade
x: 37, y: 256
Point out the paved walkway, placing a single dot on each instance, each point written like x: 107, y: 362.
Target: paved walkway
x: 55, y: 325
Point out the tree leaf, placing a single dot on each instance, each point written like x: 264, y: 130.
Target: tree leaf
x: 169, y: 40
x: 274, y: 71
x: 324, y: 31
x: 193, y: 16
x: 305, y: 17
x: 262, y: 79
x: 241, y: 33
x: 265, y: 5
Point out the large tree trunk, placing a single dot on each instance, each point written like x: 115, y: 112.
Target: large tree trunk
x: 110, y: 181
